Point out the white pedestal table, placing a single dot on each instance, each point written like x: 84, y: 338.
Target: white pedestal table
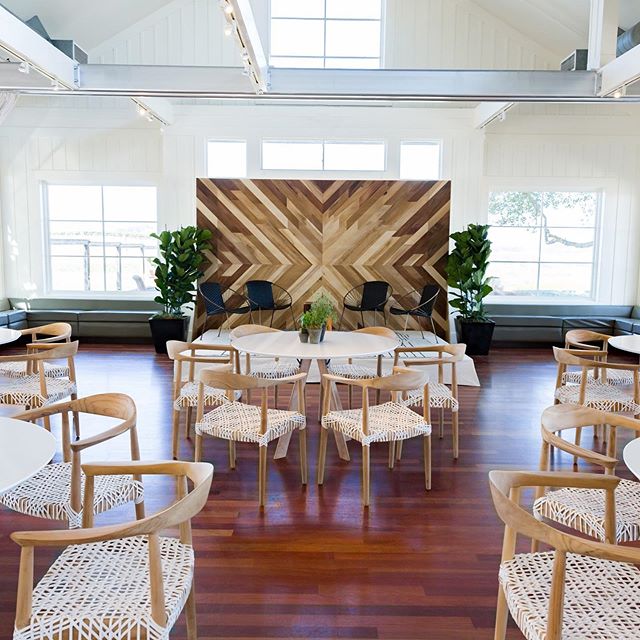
x: 8, y: 335
x: 336, y: 344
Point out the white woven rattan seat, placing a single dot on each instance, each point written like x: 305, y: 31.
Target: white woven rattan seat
x: 600, y: 601
x: 101, y: 590
x: 606, y: 397
x: 241, y: 423
x: 387, y: 422
x: 189, y: 396
x: 614, y: 376
x: 583, y: 510
x: 47, y: 494
x: 352, y: 371
x: 440, y: 397
x: 19, y: 370
x: 273, y: 370
x: 25, y: 391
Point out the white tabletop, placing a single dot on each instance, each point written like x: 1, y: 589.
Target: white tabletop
x: 631, y: 457
x: 336, y: 344
x: 626, y: 343
x: 8, y: 335
x: 24, y: 449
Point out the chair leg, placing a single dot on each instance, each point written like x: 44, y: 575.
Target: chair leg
x: 187, y: 423
x: 232, y: 454
x: 350, y: 396
x: 454, y: 429
x: 441, y: 422
x: 293, y: 317
x: 502, y: 615
x: 433, y: 330
x: 399, y: 450
x: 175, y: 430
x: 341, y: 316
x: 139, y: 507
x: 392, y: 453
x: 611, y: 441
x: 262, y: 477
x: 46, y: 421
x: 426, y: 447
x: 362, y: 318
x: 190, y: 614
x: 304, y: 469
x: 322, y: 454
x: 197, y: 457
x: 275, y: 397
x: 273, y: 311
x: 577, y: 441
x: 366, y: 476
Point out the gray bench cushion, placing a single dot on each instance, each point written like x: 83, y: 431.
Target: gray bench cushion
x: 43, y: 316
x: 624, y: 324
x: 114, y: 316
x: 116, y: 330
x: 528, y: 334
x: 597, y: 324
x: 527, y: 321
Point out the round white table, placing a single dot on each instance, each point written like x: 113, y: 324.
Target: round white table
x: 8, y: 335
x: 336, y: 344
x: 631, y: 456
x: 24, y: 449
x: 626, y: 343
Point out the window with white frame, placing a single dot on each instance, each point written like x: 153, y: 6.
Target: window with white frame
x: 326, y: 33
x: 227, y: 159
x: 420, y: 160
x: 323, y: 155
x: 97, y: 237
x: 543, y: 243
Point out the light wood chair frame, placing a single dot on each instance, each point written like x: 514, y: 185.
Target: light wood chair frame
x: 454, y: 353
x: 186, y: 353
x: 180, y: 513
x: 111, y: 405
x: 224, y: 378
x: 401, y: 380
x: 506, y: 490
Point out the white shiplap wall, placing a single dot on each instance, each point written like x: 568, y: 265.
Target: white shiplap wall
x: 457, y: 34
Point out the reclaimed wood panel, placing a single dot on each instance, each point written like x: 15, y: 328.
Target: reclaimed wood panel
x: 312, y: 236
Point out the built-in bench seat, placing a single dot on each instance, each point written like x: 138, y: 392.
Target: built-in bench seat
x: 549, y: 323
x: 13, y: 319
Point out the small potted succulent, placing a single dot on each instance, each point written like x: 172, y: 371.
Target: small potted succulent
x: 315, y: 320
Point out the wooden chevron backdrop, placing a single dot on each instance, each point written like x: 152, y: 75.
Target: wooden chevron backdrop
x: 312, y: 236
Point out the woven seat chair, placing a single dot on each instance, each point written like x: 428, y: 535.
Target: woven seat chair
x: 43, y: 335
x: 221, y: 300
x: 418, y: 304
x: 270, y: 368
x: 56, y: 491
x: 585, y: 509
x: 236, y: 421
x: 268, y: 296
x: 368, y: 296
x: 581, y: 589
x: 593, y: 341
x: 389, y: 422
x: 121, y: 581
x: 37, y: 389
x: 185, y: 392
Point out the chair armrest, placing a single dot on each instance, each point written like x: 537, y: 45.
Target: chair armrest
x: 275, y: 382
x: 329, y: 377
x: 41, y: 346
x: 103, y: 436
x: 587, y: 455
x: 41, y: 412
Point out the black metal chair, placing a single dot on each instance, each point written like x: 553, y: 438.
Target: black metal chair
x: 368, y: 296
x: 418, y: 305
x: 268, y: 296
x: 219, y: 299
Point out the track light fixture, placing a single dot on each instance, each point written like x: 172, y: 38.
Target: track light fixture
x: 24, y: 67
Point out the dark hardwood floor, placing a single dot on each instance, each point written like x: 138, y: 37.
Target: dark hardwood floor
x: 314, y: 564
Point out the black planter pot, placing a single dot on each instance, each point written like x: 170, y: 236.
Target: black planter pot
x: 163, y: 329
x: 476, y: 335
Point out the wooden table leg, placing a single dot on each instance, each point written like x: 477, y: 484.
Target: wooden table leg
x: 283, y: 441
x: 341, y: 443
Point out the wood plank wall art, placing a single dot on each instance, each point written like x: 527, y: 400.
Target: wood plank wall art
x: 312, y: 236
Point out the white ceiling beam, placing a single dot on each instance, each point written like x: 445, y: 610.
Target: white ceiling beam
x: 616, y: 75
x: 603, y: 33
x: 160, y: 108
x: 24, y: 43
x: 243, y: 19
x: 487, y: 112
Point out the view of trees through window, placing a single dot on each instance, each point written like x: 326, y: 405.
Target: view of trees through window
x: 543, y: 243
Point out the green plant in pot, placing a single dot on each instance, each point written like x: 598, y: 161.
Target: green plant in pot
x: 177, y: 270
x: 467, y: 276
x: 315, y: 320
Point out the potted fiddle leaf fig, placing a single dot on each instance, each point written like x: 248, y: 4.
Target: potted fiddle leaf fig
x: 177, y: 270
x: 467, y: 275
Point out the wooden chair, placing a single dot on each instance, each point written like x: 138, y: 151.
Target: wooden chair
x: 581, y: 589
x: 593, y: 341
x: 266, y: 368
x: 40, y: 390
x: 584, y: 509
x: 239, y: 422
x: 120, y: 581
x: 359, y: 372
x: 440, y: 395
x: 56, y: 491
x: 389, y: 422
x: 43, y: 335
x: 185, y: 392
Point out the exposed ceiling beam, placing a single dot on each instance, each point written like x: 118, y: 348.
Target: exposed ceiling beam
x: 159, y: 108
x: 616, y: 75
x: 603, y: 32
x: 243, y: 20
x: 487, y: 112
x: 24, y: 43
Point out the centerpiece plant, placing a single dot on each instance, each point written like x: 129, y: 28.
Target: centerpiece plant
x: 315, y: 321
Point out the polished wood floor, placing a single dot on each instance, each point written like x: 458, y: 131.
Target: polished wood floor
x: 315, y: 564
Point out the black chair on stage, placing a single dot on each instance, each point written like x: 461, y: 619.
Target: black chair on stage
x: 418, y: 305
x: 368, y: 296
x: 219, y: 300
x: 268, y: 296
